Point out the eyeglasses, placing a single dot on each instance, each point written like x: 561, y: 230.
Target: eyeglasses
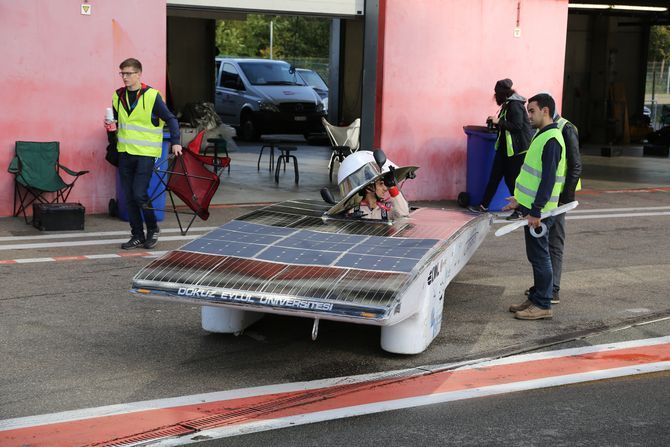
x: 127, y: 74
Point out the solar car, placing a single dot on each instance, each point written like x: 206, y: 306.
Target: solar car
x: 312, y: 259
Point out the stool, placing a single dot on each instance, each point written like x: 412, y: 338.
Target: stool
x: 286, y: 156
x: 270, y: 144
x: 339, y: 154
x: 219, y: 144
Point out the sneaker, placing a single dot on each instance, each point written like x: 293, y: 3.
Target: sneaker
x: 517, y: 307
x: 134, y: 242
x: 152, y: 238
x: 478, y: 209
x: 516, y: 215
x: 533, y: 312
x: 555, y: 299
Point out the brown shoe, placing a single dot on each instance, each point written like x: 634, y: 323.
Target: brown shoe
x: 523, y: 306
x: 533, y: 312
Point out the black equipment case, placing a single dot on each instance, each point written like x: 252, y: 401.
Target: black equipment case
x: 58, y: 216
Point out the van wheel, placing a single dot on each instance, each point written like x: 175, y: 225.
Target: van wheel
x: 249, y: 129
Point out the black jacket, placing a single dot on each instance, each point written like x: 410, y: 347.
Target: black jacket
x: 573, y: 162
x: 516, y: 121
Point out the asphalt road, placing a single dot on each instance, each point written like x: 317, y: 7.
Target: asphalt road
x: 71, y: 336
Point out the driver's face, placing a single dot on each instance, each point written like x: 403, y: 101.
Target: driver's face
x: 380, y: 188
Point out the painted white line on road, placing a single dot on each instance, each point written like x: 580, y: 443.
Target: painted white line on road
x: 68, y: 416
x: 87, y: 242
x: 94, y: 234
x: 616, y: 210
x: 569, y: 216
x: 400, y: 404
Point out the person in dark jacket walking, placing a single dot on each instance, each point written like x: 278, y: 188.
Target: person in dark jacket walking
x: 572, y: 184
x: 514, y: 135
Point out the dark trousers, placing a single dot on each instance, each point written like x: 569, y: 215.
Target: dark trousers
x: 537, y: 251
x: 556, y: 244
x: 503, y: 166
x: 135, y: 172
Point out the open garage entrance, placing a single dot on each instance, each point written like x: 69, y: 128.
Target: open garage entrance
x: 191, y: 78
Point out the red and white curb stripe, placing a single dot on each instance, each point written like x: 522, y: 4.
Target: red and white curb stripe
x: 130, y: 254
x: 184, y: 420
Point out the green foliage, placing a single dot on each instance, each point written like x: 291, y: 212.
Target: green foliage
x: 659, y: 43
x: 293, y: 37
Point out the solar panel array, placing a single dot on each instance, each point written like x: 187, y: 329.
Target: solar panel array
x: 308, y: 247
x: 288, y: 250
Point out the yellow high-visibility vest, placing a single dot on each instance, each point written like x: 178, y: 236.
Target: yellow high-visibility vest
x: 136, y: 133
x: 530, y: 175
x: 561, y: 124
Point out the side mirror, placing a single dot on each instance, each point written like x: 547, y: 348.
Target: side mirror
x: 380, y: 157
x: 327, y: 196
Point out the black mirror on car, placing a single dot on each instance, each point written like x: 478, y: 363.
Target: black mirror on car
x: 380, y: 157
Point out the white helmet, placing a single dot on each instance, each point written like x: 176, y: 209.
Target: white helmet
x: 359, y: 170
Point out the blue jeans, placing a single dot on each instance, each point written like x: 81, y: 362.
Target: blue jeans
x: 556, y: 245
x: 135, y: 173
x: 537, y: 251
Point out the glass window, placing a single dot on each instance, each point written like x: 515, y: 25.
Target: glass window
x: 230, y: 78
x: 270, y: 73
x: 313, y: 79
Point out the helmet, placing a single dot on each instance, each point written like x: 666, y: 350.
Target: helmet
x: 359, y: 170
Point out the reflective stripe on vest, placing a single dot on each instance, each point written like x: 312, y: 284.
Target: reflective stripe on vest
x: 137, y: 135
x: 508, y: 136
x: 530, y: 176
x: 561, y: 124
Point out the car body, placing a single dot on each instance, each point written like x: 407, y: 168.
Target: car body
x: 294, y: 258
x: 261, y: 96
x: 314, y: 80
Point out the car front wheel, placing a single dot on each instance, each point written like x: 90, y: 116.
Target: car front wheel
x: 248, y: 128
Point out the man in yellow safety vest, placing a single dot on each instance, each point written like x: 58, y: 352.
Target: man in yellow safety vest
x: 537, y: 190
x: 141, y: 114
x: 573, y: 172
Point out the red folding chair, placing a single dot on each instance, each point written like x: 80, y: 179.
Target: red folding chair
x: 189, y: 179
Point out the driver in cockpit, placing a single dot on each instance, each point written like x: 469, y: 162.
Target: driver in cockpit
x: 364, y: 187
x: 374, y: 205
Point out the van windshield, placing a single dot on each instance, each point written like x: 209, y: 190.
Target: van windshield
x: 269, y: 73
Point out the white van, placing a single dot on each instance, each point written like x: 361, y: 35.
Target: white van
x: 261, y: 96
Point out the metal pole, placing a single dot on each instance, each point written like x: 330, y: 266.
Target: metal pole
x: 271, y: 32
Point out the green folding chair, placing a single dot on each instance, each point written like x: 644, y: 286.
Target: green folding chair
x: 37, y: 173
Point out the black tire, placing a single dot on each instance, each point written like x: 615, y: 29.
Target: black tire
x: 464, y: 199
x: 248, y: 128
x: 113, y: 208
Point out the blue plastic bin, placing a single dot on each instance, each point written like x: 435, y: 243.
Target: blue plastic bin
x: 155, y: 186
x: 481, y: 152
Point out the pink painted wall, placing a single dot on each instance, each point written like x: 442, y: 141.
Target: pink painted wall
x: 441, y: 61
x: 58, y: 73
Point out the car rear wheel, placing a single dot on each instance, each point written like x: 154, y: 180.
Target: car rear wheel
x: 248, y: 128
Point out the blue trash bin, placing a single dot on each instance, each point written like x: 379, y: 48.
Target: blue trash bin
x: 480, y: 154
x: 155, y: 186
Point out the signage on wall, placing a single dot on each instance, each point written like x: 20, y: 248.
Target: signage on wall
x: 85, y: 9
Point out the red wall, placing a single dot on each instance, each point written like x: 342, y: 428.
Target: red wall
x: 58, y: 73
x: 441, y: 61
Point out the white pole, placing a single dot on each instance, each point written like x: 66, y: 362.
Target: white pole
x: 667, y: 85
x: 271, y: 39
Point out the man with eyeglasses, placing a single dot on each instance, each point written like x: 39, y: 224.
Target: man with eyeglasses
x: 141, y: 114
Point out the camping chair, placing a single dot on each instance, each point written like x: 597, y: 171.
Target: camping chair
x: 37, y: 172
x: 344, y: 140
x: 191, y: 181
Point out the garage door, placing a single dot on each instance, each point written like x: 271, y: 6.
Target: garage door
x: 336, y: 8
